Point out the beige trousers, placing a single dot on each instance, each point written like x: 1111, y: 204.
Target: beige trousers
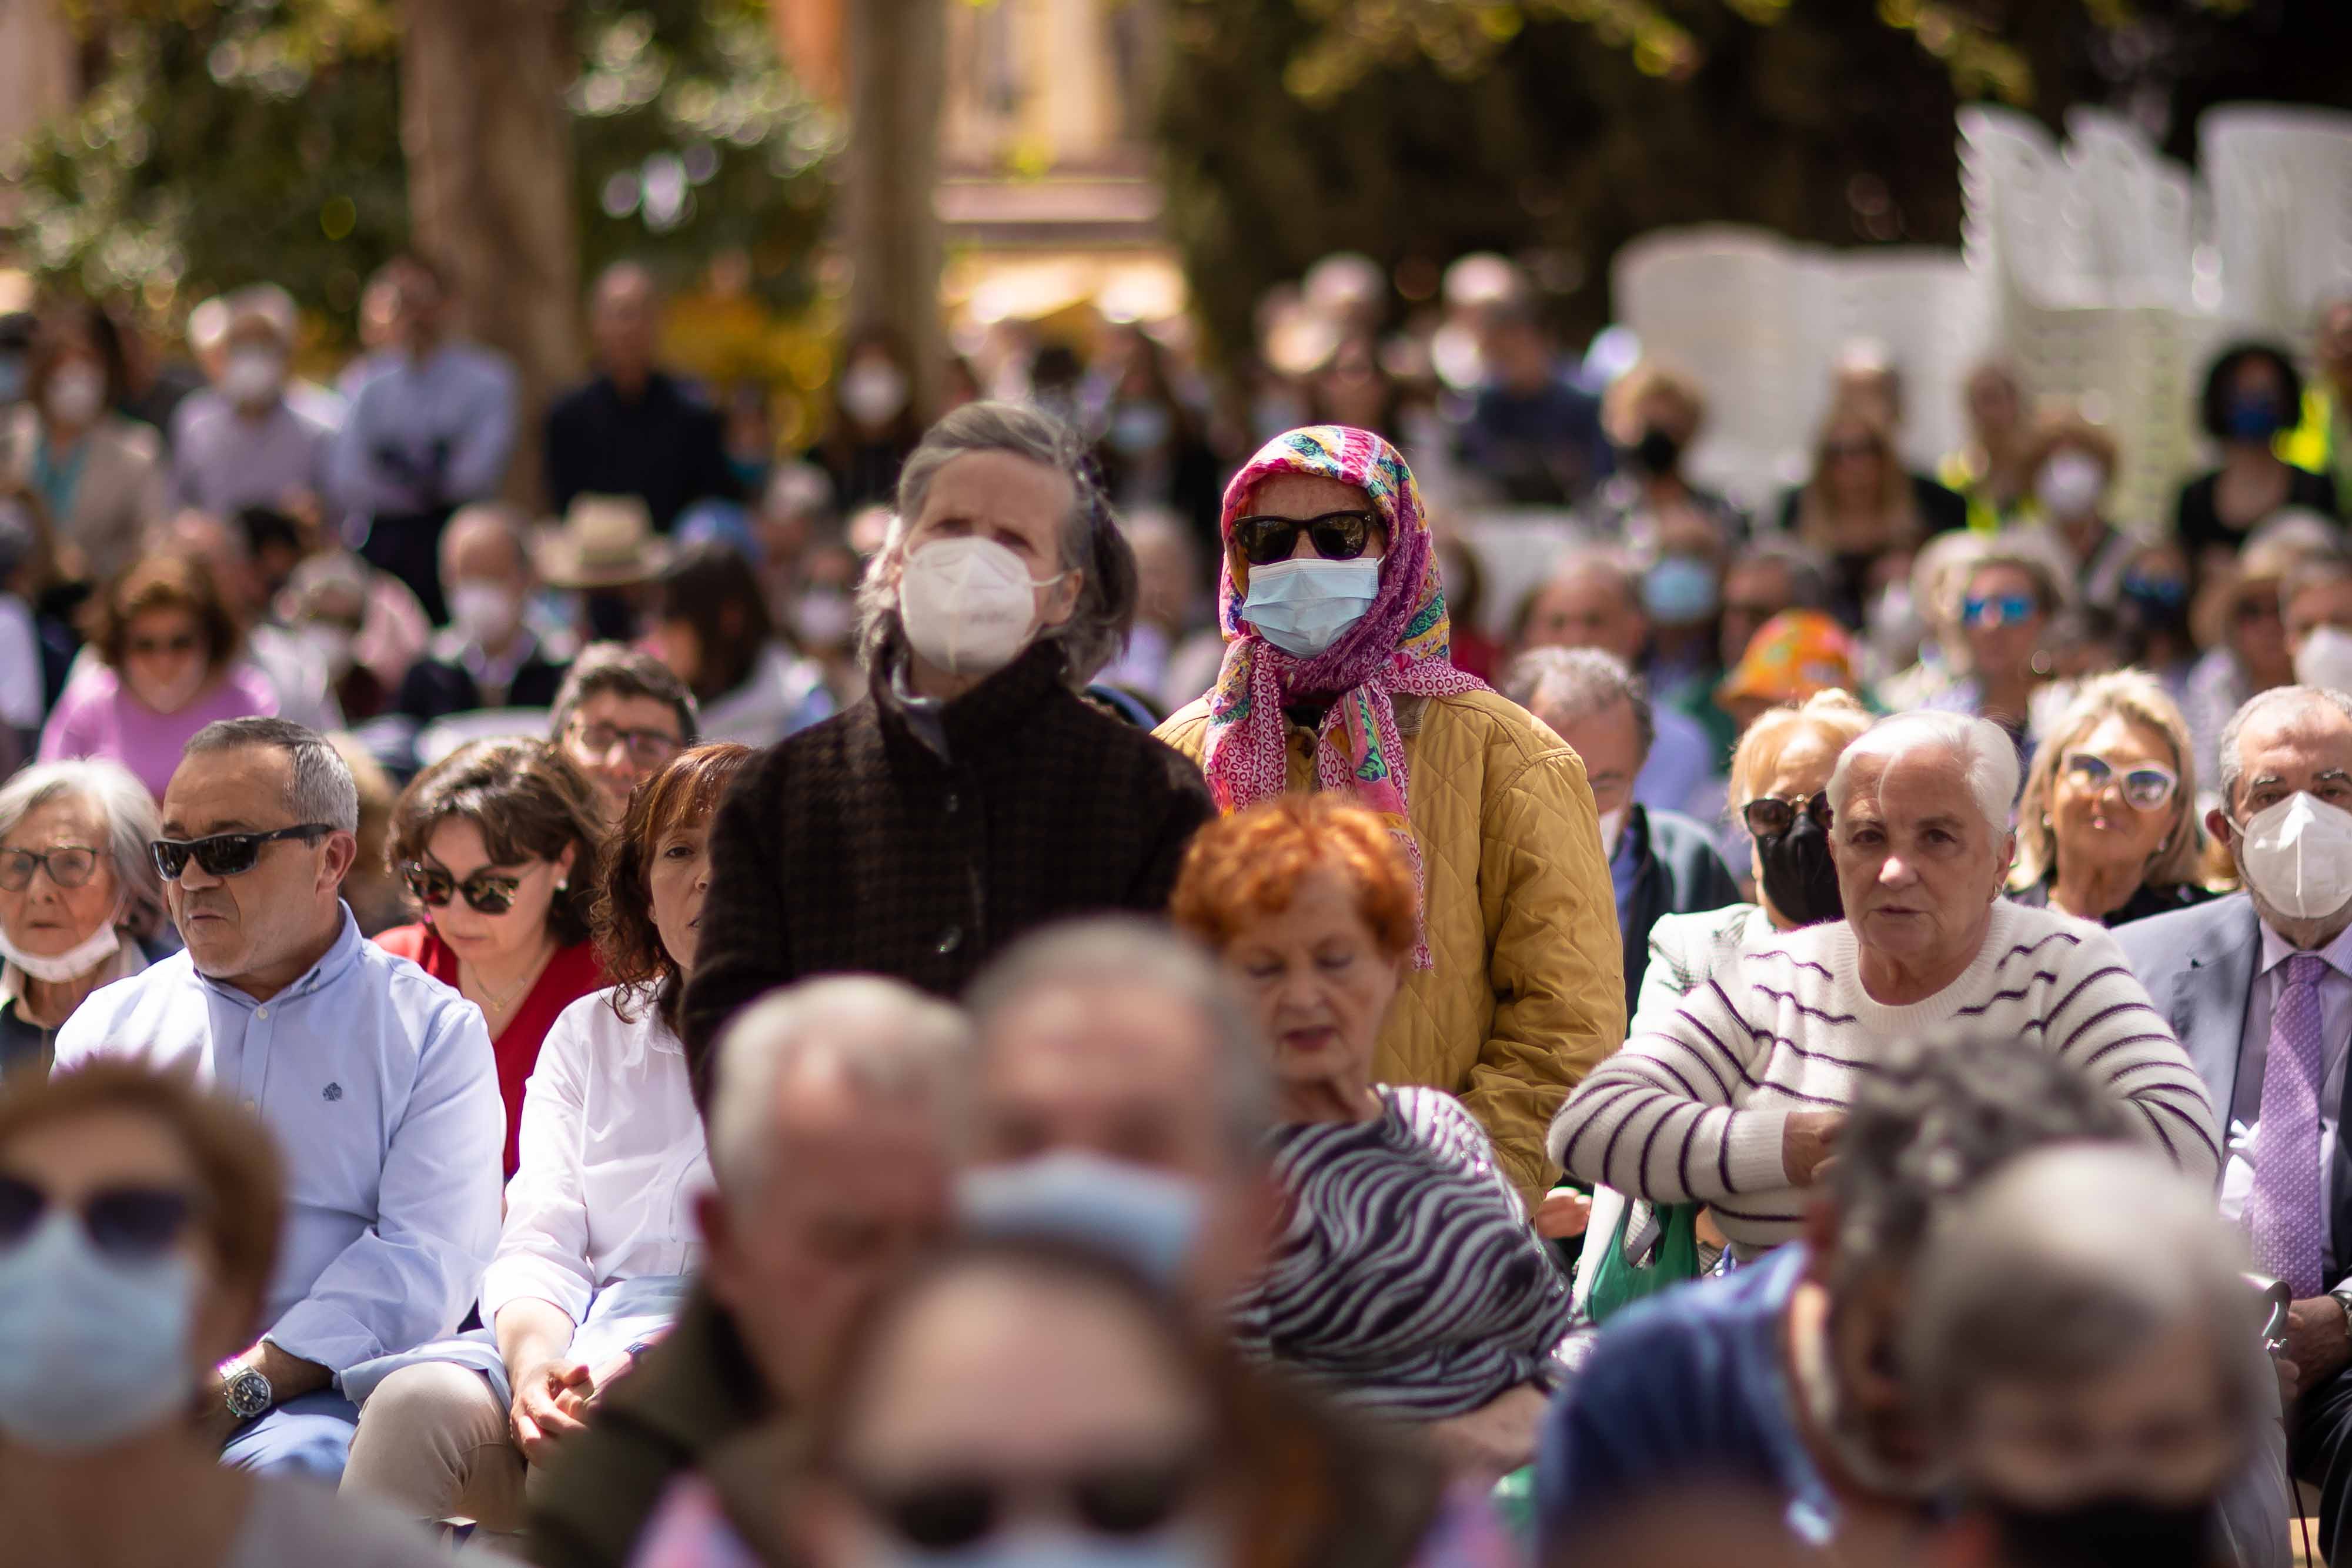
x: 432, y: 1443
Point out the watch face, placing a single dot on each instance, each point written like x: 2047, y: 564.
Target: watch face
x: 248, y: 1395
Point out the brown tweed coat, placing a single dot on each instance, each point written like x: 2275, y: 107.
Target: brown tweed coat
x: 855, y: 846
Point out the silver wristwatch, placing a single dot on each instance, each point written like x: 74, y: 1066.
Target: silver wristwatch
x: 247, y: 1392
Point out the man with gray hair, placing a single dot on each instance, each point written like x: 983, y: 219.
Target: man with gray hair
x: 976, y: 796
x: 1660, y: 862
x: 2042, y: 1354
x: 2258, y: 985
x: 1736, y: 1098
x: 831, y: 1123
x: 377, y: 1080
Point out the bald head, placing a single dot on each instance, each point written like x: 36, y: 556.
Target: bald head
x: 625, y: 323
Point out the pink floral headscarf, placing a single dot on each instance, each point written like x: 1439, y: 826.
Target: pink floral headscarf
x: 1401, y: 647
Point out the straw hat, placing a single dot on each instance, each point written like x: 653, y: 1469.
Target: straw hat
x: 603, y: 541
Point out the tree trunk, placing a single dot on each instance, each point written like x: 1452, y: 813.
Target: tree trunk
x: 488, y: 143
x: 898, y: 77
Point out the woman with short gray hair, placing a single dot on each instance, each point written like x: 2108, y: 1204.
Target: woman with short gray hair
x: 80, y: 899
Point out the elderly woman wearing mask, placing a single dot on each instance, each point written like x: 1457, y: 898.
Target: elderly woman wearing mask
x: 1736, y: 1097
x: 598, y: 1237
x: 1780, y: 776
x: 79, y: 898
x: 139, y: 1228
x: 1406, y: 1279
x: 1336, y: 678
x: 2107, y: 826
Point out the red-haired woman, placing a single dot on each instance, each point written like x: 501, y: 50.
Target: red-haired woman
x: 1406, y: 1279
x: 599, y: 1236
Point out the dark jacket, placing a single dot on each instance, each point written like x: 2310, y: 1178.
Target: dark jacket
x: 693, y: 1394
x: 855, y: 846
x: 2147, y: 899
x: 1676, y: 872
x: 436, y: 688
x: 667, y: 447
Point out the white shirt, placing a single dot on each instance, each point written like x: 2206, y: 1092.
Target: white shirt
x: 610, y: 1159
x: 378, y: 1081
x: 2245, y: 1110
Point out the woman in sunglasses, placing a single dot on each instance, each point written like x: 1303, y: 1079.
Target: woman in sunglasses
x: 2006, y: 603
x: 2107, y: 830
x: 1339, y: 677
x: 498, y: 844
x: 598, y: 1238
x: 80, y: 904
x: 1138, y: 1441
x: 166, y: 665
x: 139, y: 1228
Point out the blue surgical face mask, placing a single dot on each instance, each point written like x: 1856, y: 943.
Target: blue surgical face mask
x: 1303, y: 606
x: 1140, y: 428
x: 1679, y: 590
x: 1148, y: 1219
x: 1176, y: 1546
x: 92, y: 1350
x: 2255, y: 416
x: 12, y: 378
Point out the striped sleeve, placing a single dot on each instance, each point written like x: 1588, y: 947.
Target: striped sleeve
x: 2102, y: 1023
x: 1660, y: 1120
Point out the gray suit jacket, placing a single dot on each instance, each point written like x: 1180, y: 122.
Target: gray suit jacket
x: 2198, y: 966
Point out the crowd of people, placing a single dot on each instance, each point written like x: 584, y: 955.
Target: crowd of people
x: 1043, y: 986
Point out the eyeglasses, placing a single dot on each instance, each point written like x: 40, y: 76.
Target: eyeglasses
x: 129, y: 1224
x: 1337, y: 535
x: 2144, y: 787
x: 1837, y: 449
x: 483, y: 892
x: 147, y: 647
x: 1769, y: 818
x: 225, y: 854
x: 1997, y: 608
x: 944, y: 1513
x: 2250, y: 611
x: 68, y: 865
x: 648, y: 748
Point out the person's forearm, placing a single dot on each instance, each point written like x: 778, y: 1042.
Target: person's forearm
x: 531, y: 1332
x: 289, y: 1375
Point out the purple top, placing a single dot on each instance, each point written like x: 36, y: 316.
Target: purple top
x: 98, y: 716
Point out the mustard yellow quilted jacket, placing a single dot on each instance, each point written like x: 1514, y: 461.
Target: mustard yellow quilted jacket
x: 1527, y: 991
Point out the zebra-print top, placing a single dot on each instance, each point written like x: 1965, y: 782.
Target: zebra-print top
x: 1407, y: 1279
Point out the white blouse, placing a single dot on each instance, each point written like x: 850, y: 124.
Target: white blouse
x: 611, y: 1157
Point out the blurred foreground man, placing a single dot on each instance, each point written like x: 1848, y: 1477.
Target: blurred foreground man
x: 977, y: 795
x: 376, y: 1079
x: 829, y: 1144
x: 2093, y: 1389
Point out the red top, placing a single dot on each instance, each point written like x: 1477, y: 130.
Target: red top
x: 572, y: 974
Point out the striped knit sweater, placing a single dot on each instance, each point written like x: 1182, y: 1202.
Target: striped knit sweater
x: 1693, y: 1108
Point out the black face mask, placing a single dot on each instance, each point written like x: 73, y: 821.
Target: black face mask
x: 1798, y: 877
x: 2108, y: 1530
x: 1657, y: 452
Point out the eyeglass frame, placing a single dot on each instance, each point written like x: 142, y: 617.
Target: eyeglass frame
x: 1247, y: 531
x: 190, y: 1207
x: 578, y: 729
x: 2116, y: 776
x: 411, y: 872
x: 40, y: 861
x: 162, y: 850
x: 1815, y: 806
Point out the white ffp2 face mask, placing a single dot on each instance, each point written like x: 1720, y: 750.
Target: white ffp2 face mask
x: 2325, y: 659
x: 969, y: 605
x: 2297, y: 854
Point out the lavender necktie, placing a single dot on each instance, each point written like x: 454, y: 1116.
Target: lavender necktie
x: 2287, y: 1210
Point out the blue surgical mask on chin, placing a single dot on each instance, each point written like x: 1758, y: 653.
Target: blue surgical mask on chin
x: 96, y: 1349
x: 1147, y: 1220
x: 1174, y: 1546
x: 1305, y: 605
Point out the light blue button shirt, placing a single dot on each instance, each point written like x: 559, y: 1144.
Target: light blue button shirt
x: 458, y: 401
x: 379, y: 1083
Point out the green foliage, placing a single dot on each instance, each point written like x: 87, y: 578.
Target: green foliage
x: 260, y: 139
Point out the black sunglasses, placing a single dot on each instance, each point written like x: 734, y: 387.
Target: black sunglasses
x: 483, y: 892
x: 1769, y: 818
x: 128, y: 1223
x: 1338, y: 536
x: 942, y: 1513
x: 225, y: 854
